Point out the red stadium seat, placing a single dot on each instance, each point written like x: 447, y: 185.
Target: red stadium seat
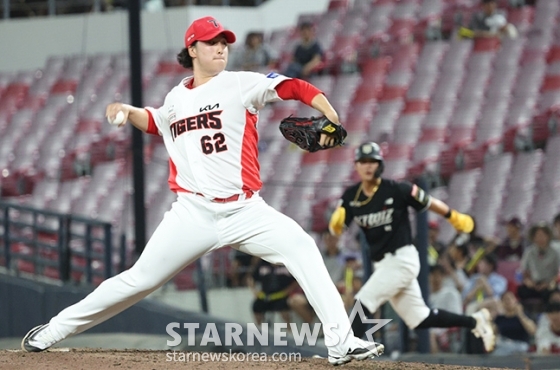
x: 509, y: 269
x: 551, y: 82
x: 416, y: 106
x: 343, y: 154
x: 64, y: 87
x: 553, y: 54
x: 313, y: 158
x: 367, y: 92
x: 485, y: 44
x: 25, y: 266
x: 396, y: 151
x: 473, y: 157
x: 435, y: 134
x: 337, y: 4
x: 448, y: 161
x: 402, y: 28
x: 375, y: 66
x: 461, y: 136
x: 392, y: 93
x: 186, y: 279
x: 521, y: 17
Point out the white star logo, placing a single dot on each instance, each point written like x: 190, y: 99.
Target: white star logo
x: 378, y: 323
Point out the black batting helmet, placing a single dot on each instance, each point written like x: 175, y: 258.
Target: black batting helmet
x: 371, y: 150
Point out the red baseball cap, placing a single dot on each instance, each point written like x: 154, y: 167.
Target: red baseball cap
x: 205, y: 29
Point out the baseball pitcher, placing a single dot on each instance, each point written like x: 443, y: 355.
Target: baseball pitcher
x: 209, y: 126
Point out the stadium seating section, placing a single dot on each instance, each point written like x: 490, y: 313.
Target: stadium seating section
x: 480, y: 115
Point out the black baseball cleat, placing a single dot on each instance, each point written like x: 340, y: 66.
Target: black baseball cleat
x: 38, y: 339
x: 362, y: 351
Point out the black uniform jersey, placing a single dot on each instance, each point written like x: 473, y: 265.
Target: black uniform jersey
x: 384, y: 217
x: 273, y: 278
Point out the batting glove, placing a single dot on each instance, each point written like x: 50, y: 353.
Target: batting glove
x: 461, y: 222
x: 336, y: 224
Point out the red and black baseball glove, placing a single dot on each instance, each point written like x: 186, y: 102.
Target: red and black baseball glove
x: 306, y: 132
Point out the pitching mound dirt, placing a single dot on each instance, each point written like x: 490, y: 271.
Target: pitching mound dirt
x: 86, y: 359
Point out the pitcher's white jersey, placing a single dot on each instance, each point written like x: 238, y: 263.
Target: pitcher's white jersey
x: 211, y: 132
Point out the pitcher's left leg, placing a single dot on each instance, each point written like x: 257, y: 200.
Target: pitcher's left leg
x: 280, y: 240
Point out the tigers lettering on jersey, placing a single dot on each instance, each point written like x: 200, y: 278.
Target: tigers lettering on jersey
x: 219, y: 157
x: 370, y: 220
x: 210, y: 120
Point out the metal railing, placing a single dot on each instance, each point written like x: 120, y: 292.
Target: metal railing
x: 68, y: 248
x: 65, y: 247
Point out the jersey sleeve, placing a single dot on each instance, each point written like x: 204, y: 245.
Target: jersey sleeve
x: 258, y: 89
x: 155, y: 120
x: 414, y: 196
x: 158, y: 119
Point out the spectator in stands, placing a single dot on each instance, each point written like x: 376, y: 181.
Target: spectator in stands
x: 515, y: 328
x: 540, y: 264
x: 298, y: 303
x: 333, y: 256
x: 548, y: 340
x: 484, y: 286
x: 443, y: 297
x: 542, y: 323
x: 255, y: 55
x: 242, y: 267
x: 308, y: 54
x: 276, y: 284
x: 555, y: 244
x: 513, y: 246
x: 110, y: 5
x: 352, y: 280
x: 454, y: 263
x: 478, y: 248
x: 489, y: 22
x: 435, y: 247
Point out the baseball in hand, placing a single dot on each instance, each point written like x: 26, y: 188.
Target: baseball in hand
x: 119, y: 119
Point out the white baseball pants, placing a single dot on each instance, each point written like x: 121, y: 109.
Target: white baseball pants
x: 394, y: 280
x: 195, y: 226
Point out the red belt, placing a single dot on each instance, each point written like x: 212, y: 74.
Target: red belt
x: 233, y: 198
